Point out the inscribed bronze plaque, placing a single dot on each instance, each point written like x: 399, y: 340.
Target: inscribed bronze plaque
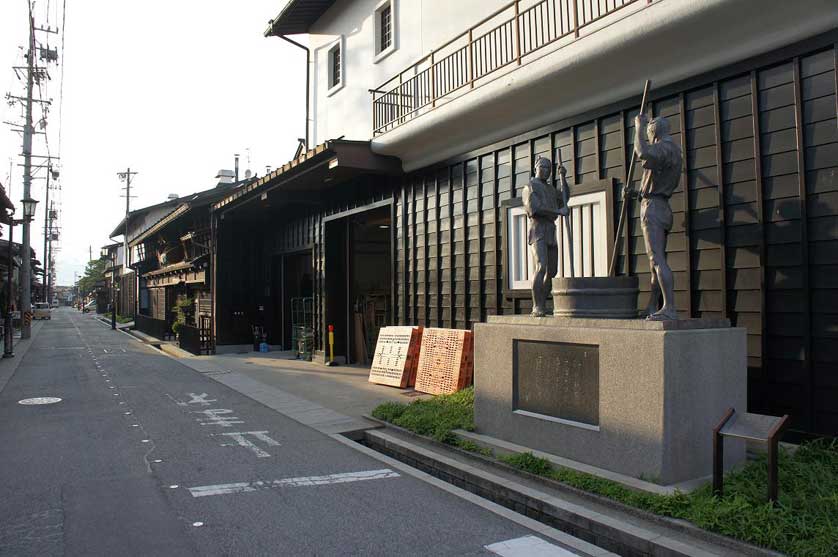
x: 557, y: 379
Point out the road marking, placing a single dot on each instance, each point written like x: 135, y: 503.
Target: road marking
x: 198, y: 399
x: 303, y: 481
x: 216, y: 416
x: 39, y: 400
x: 528, y: 546
x: 239, y: 438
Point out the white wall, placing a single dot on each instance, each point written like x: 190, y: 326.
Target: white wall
x: 665, y: 41
x: 420, y: 25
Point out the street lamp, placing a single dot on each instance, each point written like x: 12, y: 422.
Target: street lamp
x: 26, y: 267
x: 105, y: 253
x: 29, y: 205
x: 8, y: 326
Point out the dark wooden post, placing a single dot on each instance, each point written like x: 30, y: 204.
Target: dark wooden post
x: 718, y: 454
x: 773, y: 459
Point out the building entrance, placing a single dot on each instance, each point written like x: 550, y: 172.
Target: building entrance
x: 358, y: 281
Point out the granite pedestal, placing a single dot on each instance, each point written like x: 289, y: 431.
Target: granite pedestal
x: 636, y: 397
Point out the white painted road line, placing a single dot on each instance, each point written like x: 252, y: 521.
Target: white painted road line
x: 528, y: 546
x: 242, y: 441
x: 304, y: 481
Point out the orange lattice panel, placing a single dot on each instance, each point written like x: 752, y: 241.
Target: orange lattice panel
x: 396, y: 356
x: 445, y: 361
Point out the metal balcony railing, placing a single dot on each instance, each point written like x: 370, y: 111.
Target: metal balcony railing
x: 503, y: 38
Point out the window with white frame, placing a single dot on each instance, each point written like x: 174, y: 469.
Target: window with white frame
x: 335, y: 58
x: 586, y: 225
x: 385, y: 29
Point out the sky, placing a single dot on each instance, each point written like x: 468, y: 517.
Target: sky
x: 172, y: 89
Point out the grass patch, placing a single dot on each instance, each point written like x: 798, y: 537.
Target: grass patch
x: 804, y: 521
x: 435, y: 417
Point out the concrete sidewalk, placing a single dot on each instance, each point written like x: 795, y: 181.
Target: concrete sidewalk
x: 330, y: 399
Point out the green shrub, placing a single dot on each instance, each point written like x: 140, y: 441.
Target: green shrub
x: 435, y: 417
x: 803, y: 522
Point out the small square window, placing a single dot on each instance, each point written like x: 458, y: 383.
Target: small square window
x: 335, y: 66
x: 386, y: 27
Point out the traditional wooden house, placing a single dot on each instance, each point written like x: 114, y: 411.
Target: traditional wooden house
x: 132, y: 226
x: 172, y: 259
x: 466, y: 95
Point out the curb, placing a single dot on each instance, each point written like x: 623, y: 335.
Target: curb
x: 20, y: 348
x: 595, y: 527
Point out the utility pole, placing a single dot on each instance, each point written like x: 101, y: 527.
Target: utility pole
x: 46, y: 226
x: 26, y: 269
x: 125, y: 177
x: 48, y: 276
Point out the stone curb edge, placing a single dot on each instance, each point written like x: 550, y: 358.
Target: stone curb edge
x: 679, y: 526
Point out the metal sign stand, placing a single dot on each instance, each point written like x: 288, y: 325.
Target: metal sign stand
x: 753, y: 427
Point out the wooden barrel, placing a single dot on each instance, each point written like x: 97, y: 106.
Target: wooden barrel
x: 603, y: 297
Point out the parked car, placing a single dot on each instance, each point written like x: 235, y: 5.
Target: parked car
x: 40, y: 310
x: 55, y: 304
x: 91, y: 306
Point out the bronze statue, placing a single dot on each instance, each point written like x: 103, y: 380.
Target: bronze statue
x: 661, y: 160
x: 543, y: 206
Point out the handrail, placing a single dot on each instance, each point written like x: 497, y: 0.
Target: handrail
x: 525, y: 31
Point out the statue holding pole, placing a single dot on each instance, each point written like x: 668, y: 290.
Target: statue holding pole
x: 543, y: 206
x: 661, y: 159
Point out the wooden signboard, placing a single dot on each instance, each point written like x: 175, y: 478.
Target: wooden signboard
x: 446, y: 361
x: 396, y: 356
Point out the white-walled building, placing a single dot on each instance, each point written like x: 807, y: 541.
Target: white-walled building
x: 425, y: 118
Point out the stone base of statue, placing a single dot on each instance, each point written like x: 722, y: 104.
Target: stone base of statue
x: 602, y: 297
x: 636, y: 397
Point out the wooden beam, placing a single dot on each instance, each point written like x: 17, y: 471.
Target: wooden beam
x: 405, y: 280
x: 439, y: 277
x: 760, y: 215
x: 682, y: 119
x: 452, y: 271
x: 804, y: 244
x: 721, y: 189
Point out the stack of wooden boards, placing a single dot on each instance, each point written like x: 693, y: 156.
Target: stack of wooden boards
x: 436, y: 361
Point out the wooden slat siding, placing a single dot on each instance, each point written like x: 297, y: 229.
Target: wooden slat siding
x: 451, y: 249
x: 505, y: 164
x: 481, y: 275
x: 461, y: 285
x: 623, y: 170
x: 682, y: 124
x: 498, y: 292
x: 466, y: 314
x: 742, y: 222
x: 412, y: 259
x: 394, y: 251
x: 804, y: 246
x: 405, y: 277
x: 818, y: 88
x: 704, y: 202
x: 597, y: 150
x: 756, y: 384
x: 487, y: 235
x: 721, y: 191
x: 426, y: 319
x: 439, y: 243
x: 784, y: 345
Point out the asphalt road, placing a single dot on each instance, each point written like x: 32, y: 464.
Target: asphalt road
x: 144, y: 456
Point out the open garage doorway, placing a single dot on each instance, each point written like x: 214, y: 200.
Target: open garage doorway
x: 358, y: 281
x: 293, y: 276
